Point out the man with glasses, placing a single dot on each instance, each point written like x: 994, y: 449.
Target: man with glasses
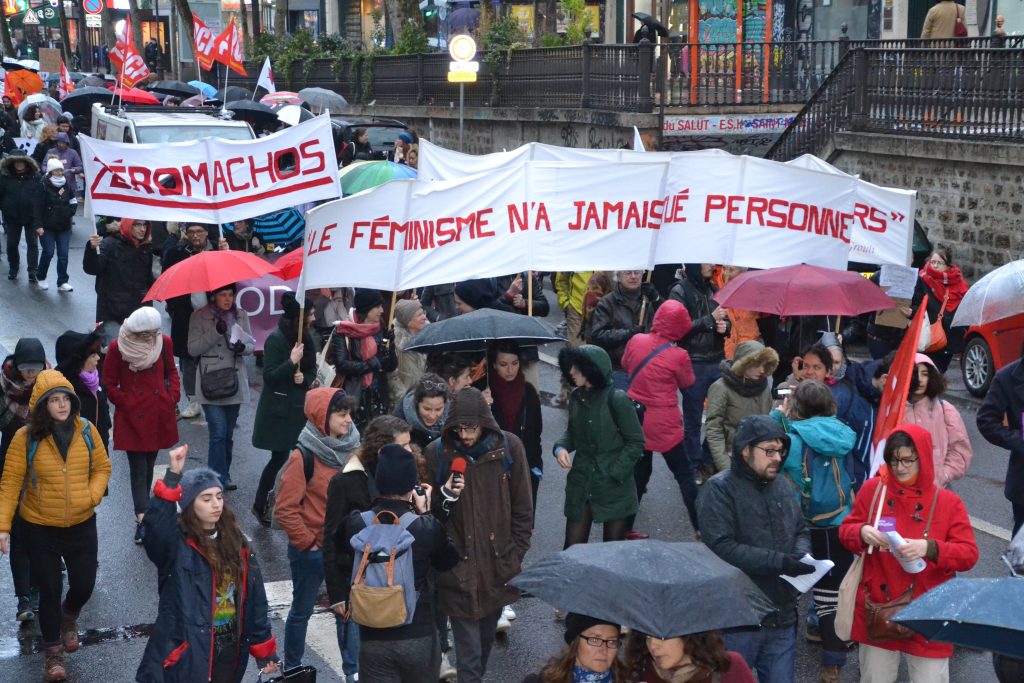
x: 123, y: 265
x: 750, y: 518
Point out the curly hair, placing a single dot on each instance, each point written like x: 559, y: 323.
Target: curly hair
x: 40, y: 422
x: 381, y: 431
x: 559, y: 668
x: 706, y: 650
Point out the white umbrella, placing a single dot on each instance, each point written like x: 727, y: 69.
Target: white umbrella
x: 998, y: 295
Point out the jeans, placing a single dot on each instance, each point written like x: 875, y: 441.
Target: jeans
x: 188, y: 374
x: 705, y: 373
x: 61, y: 241
x: 140, y: 472
x: 78, y: 546
x: 878, y: 665
x: 473, y: 641
x: 679, y: 465
x: 221, y: 421
x: 769, y: 652
x: 14, y: 231
x: 307, y: 576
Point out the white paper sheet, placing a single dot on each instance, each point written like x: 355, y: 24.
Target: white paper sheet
x: 238, y: 334
x: 805, y: 582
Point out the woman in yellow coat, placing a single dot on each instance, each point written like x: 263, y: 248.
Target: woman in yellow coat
x: 58, y: 459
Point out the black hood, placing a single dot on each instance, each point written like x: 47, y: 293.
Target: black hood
x: 28, y: 350
x: 753, y: 430
x: 7, y: 166
x: 73, y: 348
x: 693, y: 274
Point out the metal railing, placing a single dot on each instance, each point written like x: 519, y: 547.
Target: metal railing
x: 956, y: 93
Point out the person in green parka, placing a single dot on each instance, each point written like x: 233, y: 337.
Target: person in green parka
x: 605, y: 434
x: 289, y: 369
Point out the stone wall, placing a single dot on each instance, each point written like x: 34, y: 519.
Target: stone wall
x: 970, y: 194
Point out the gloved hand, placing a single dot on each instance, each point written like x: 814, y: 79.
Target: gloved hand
x: 792, y: 566
x: 238, y: 347
x: 374, y: 364
x: 647, y: 289
x: 222, y: 327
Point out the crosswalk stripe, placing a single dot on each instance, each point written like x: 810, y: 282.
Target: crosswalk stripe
x: 990, y: 529
x: 322, y: 635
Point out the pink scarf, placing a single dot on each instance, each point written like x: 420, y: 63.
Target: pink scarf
x: 364, y: 332
x: 139, y: 355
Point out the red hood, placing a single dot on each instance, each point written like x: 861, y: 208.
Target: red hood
x: 318, y: 401
x: 672, y: 321
x: 126, y: 231
x: 923, y: 445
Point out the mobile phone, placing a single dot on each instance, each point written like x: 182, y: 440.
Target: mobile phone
x: 420, y: 491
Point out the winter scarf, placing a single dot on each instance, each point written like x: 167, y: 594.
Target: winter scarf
x: 331, y: 451
x: 412, y: 416
x: 682, y: 674
x: 365, y: 333
x: 486, y: 443
x: 581, y: 675
x: 91, y: 380
x: 949, y: 282
x: 140, y: 355
x: 16, y: 392
x: 227, y: 317
x: 747, y: 388
x: 63, y: 433
x: 508, y: 397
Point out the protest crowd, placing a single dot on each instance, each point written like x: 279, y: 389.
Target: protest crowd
x: 404, y: 455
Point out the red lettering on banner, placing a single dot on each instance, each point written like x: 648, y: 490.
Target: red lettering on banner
x: 377, y: 227
x: 517, y: 217
x: 219, y: 180
x: 357, y: 232
x: 422, y: 235
x: 201, y: 172
x: 255, y: 169
x: 734, y: 208
x: 715, y: 202
x: 446, y: 235
x: 657, y: 213
x: 632, y: 214
x: 865, y: 213
x: 542, y: 218
x: 139, y: 179
x: 315, y: 154
x: 176, y: 187
x: 756, y: 205
x: 781, y: 213
x: 285, y: 170
x: 325, y: 240
x: 231, y: 180
x: 481, y: 223
x: 777, y: 212
x: 676, y: 213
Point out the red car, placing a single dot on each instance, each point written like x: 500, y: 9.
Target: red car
x: 989, y: 347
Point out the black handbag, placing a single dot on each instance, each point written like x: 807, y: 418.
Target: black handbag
x: 220, y: 383
x: 297, y: 674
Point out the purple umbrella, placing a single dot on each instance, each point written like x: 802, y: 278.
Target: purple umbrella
x: 463, y: 19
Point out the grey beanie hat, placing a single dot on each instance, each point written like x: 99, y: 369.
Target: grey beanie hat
x: 194, y: 482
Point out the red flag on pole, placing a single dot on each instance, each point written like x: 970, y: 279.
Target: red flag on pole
x: 130, y: 65
x: 203, y: 43
x: 897, y: 387
x: 65, y: 85
x: 227, y: 50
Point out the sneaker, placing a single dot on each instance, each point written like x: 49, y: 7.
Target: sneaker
x: 66, y: 288
x: 448, y: 672
x: 636, y: 536
x: 140, y: 533
x: 42, y: 284
x: 25, y: 611
x: 192, y: 410
x: 559, y: 614
x: 508, y: 613
x: 503, y: 625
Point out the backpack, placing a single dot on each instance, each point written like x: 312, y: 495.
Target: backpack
x: 383, y: 591
x: 33, y: 445
x: 444, y: 468
x: 826, y: 489
x: 307, y: 469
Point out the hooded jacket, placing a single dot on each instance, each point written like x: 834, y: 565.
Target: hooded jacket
x: 909, y: 508
x: 829, y: 438
x: 752, y: 523
x: 72, y: 349
x: 491, y: 522
x: 15, y: 392
x: 658, y: 383
x: 695, y: 292
x: 56, y: 207
x: 351, y: 490
x: 19, y: 192
x: 144, y: 401
x: 123, y: 271
x: 181, y: 647
x: 605, y: 434
x: 59, y: 492
x: 571, y: 288
x: 999, y: 420
x: 616, y: 318
x: 732, y: 397
x: 951, y: 445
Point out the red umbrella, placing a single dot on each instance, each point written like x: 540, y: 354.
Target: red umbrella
x: 289, y: 266
x: 135, y: 96
x: 803, y: 290
x: 206, y: 271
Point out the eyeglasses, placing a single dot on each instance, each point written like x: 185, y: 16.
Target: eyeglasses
x: 594, y: 641
x: 464, y: 429
x: 632, y: 273
x: 936, y: 262
x: 140, y: 224
x: 195, y: 231
x: 902, y: 462
x: 772, y: 452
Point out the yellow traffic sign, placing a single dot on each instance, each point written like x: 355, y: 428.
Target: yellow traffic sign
x: 461, y: 77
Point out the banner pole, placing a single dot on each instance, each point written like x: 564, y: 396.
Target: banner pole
x: 462, y: 93
x: 391, y: 311
x: 529, y: 293
x: 839, y: 319
x: 643, y: 301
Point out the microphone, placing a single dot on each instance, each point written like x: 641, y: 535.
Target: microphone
x: 458, y: 469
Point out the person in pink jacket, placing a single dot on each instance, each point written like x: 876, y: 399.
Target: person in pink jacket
x: 658, y: 370
x: 951, y: 447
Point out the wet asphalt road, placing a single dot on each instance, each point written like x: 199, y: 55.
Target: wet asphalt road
x: 117, y: 619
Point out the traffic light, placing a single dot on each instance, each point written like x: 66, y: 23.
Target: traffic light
x: 429, y: 8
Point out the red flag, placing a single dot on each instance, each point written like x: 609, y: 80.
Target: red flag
x: 203, y: 43
x: 897, y: 386
x: 66, y: 85
x: 228, y: 50
x: 130, y: 65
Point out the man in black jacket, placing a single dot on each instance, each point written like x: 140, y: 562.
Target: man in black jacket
x: 1000, y: 420
x: 410, y: 652
x: 123, y: 266
x: 750, y: 517
x: 706, y: 346
x: 617, y: 318
x: 20, y: 190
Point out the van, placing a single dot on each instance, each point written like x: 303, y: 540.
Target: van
x: 163, y: 125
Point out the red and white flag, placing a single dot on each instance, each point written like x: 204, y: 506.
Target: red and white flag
x: 203, y: 45
x: 227, y: 50
x: 131, y: 67
x: 66, y: 85
x: 266, y: 79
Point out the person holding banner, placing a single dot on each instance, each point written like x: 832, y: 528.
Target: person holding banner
x: 620, y: 314
x: 363, y: 357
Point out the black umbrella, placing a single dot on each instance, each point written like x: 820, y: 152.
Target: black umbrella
x: 93, y: 81
x: 232, y: 93
x: 256, y: 112
x: 661, y: 589
x: 472, y: 331
x: 652, y: 23
x: 80, y: 100
x: 174, y: 89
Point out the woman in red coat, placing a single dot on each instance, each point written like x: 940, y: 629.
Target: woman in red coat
x: 909, y: 499
x: 142, y: 383
x: 656, y: 384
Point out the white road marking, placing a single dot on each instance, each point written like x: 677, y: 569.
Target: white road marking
x: 990, y: 529
x: 321, y: 636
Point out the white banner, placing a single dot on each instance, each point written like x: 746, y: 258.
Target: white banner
x: 211, y: 180
x: 560, y: 215
x: 877, y: 221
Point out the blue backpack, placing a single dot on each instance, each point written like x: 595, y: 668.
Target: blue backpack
x: 826, y: 491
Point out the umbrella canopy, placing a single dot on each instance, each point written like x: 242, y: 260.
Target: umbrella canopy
x: 205, y: 272
x: 80, y: 100
x: 281, y: 228
x: 657, y: 588
x: 289, y: 266
x: 21, y: 83
x: 195, y: 101
x: 320, y: 99
x: 281, y: 97
x: 364, y: 175
x: 803, y: 290
x: 247, y: 110
x: 652, y: 23
x: 979, y: 613
x: 93, y: 81
x: 232, y: 93
x: 293, y: 114
x: 50, y: 107
x: 472, y: 332
x: 998, y: 295
x: 205, y: 88
x: 463, y: 19
x: 135, y: 96
x: 174, y: 88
